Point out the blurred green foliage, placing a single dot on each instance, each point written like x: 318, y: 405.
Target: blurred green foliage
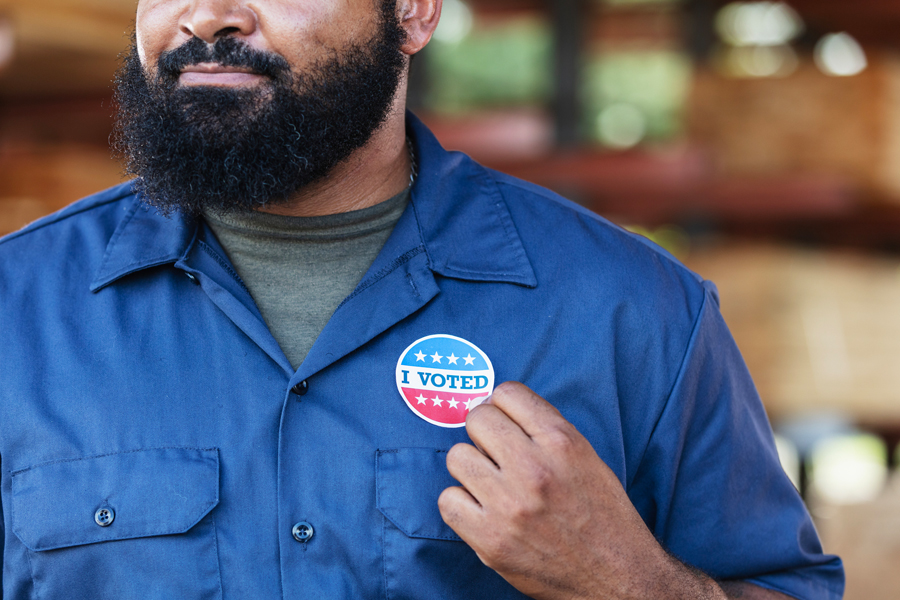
x: 627, y: 2
x: 505, y: 65
x: 509, y: 65
x: 656, y: 82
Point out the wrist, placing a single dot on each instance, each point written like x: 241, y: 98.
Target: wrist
x: 671, y: 579
x: 684, y: 582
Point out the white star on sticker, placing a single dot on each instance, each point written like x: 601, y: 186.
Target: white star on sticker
x: 419, y: 356
x: 437, y: 400
x: 470, y: 360
x: 471, y: 403
x: 453, y: 402
x: 421, y: 399
x: 452, y: 359
x: 436, y: 358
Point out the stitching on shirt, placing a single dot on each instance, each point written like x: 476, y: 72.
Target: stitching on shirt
x: 194, y: 521
x: 117, y: 234
x: 500, y: 205
x: 412, y: 284
x: 67, y: 460
x: 141, y: 264
x: 28, y: 551
x: 481, y: 272
x: 212, y: 520
x: 378, y: 454
x: 384, y: 578
x: 52, y: 220
x: 592, y: 218
x: 695, y: 331
x: 222, y: 263
x: 381, y: 274
x: 412, y: 203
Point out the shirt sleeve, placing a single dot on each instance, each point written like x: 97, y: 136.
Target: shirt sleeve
x: 710, y: 485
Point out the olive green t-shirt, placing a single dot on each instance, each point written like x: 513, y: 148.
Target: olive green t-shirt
x: 299, y: 269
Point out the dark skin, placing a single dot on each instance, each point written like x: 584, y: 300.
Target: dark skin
x: 553, y: 482
x: 539, y: 506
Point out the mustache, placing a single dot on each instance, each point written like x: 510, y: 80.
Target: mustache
x: 227, y: 51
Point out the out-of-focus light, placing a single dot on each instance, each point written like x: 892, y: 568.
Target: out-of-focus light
x: 849, y: 469
x: 840, y: 55
x: 760, y: 61
x: 758, y: 24
x: 621, y: 126
x: 7, y: 42
x: 671, y: 237
x: 456, y: 22
x: 790, y: 459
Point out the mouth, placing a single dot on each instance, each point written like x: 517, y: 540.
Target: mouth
x: 216, y: 74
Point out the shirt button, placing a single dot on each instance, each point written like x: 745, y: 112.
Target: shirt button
x: 302, y: 532
x: 193, y: 278
x: 104, y: 517
x: 301, y: 388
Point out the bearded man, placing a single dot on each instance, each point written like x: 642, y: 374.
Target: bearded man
x: 264, y: 367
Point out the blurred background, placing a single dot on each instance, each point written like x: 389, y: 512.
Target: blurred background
x: 758, y: 141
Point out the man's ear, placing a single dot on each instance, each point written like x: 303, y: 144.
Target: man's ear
x: 419, y: 18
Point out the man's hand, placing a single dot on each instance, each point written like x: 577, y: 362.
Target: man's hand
x: 541, y: 508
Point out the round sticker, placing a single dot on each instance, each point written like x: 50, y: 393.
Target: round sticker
x: 442, y: 378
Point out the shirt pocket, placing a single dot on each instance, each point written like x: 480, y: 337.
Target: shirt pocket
x: 423, y: 557
x: 130, y: 525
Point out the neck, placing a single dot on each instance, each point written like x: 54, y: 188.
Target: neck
x: 373, y: 173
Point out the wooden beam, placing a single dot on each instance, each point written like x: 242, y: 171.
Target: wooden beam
x: 121, y: 8
x: 569, y: 17
x: 71, y: 29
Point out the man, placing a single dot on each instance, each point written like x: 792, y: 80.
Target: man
x: 246, y: 373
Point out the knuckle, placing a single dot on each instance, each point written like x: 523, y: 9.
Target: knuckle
x: 530, y: 509
x: 562, y: 438
x: 539, y: 478
x: 508, y: 388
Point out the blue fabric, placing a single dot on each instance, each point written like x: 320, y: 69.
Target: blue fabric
x: 125, y: 384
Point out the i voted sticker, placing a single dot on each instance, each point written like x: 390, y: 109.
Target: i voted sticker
x: 442, y: 378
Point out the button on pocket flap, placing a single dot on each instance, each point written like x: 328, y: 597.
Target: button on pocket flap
x: 114, y: 496
x: 408, y: 482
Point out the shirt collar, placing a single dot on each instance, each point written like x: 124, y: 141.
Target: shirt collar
x: 145, y: 238
x: 463, y: 219
x: 464, y: 224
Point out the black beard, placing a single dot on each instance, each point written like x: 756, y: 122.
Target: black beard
x: 238, y: 149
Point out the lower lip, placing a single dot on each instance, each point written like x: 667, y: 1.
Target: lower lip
x: 220, y: 79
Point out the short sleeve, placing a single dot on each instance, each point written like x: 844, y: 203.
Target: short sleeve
x: 710, y: 485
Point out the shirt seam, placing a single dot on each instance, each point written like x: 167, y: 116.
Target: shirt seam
x: 594, y: 218
x: 223, y: 263
x: 204, y: 510
x: 695, y: 331
x: 384, y: 272
x: 52, y: 220
x: 68, y: 460
x: 120, y: 230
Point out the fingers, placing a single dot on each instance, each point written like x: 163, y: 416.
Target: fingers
x: 459, y: 510
x: 495, y: 434
x: 534, y: 415
x: 475, y: 471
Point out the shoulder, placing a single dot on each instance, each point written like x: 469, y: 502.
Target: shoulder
x: 571, y: 247
x: 68, y: 244
x: 91, y: 209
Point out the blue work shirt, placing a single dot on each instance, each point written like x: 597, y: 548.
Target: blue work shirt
x: 155, y: 442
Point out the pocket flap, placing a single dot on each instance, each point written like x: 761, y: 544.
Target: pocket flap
x: 408, y: 482
x: 149, y: 492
